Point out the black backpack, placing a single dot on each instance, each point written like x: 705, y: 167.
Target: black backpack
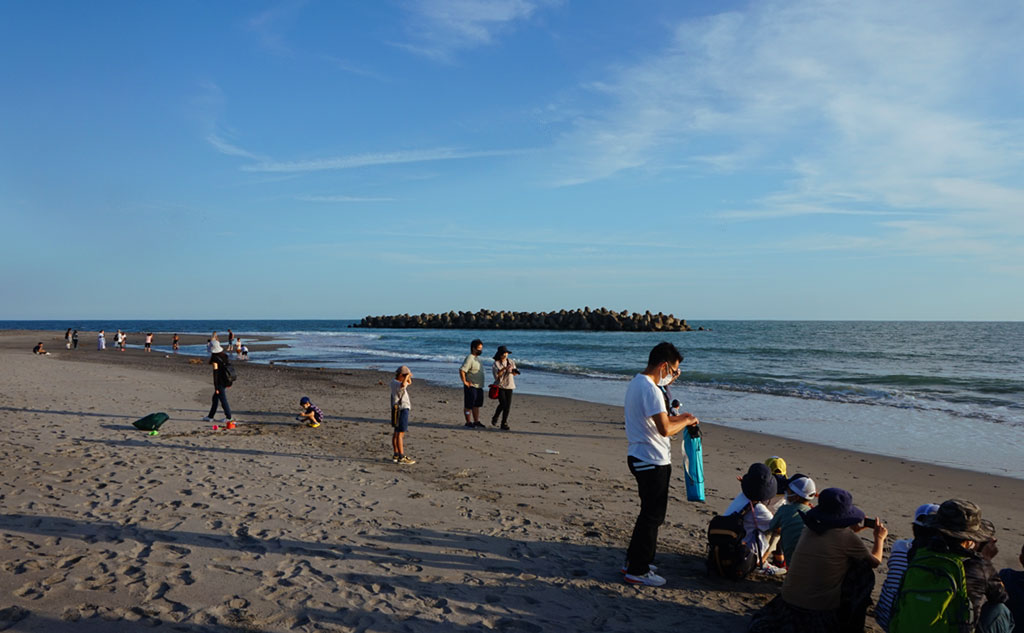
x: 728, y: 557
x: 230, y: 374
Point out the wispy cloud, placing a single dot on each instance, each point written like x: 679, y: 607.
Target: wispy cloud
x: 383, y: 158
x: 342, y: 198
x: 224, y: 147
x: 268, y: 26
x: 440, y: 28
x: 863, y: 109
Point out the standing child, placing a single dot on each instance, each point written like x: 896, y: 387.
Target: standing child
x: 74, y: 340
x: 67, y: 339
x: 310, y: 413
x: 400, y: 407
x: 149, y: 341
x: 101, y: 342
x: 174, y: 342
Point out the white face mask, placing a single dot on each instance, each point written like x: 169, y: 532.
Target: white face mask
x: 667, y: 380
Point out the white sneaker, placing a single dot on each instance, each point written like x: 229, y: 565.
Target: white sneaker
x: 771, y: 570
x: 650, y: 579
x: 625, y: 568
x: 207, y: 418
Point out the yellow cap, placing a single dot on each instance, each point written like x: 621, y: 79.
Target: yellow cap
x: 777, y: 465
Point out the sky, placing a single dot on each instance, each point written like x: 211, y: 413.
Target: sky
x: 796, y: 159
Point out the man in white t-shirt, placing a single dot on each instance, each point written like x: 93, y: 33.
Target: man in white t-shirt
x: 648, y: 429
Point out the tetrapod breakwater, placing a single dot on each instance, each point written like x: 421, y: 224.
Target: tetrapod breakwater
x: 601, y: 319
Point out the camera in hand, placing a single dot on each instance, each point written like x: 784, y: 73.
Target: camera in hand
x: 869, y: 522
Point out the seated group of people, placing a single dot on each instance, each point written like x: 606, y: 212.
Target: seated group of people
x: 942, y: 579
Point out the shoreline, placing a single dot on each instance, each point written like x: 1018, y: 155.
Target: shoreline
x: 484, y: 521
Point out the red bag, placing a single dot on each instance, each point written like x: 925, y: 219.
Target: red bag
x: 492, y: 392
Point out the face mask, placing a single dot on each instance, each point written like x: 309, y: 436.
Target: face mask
x: 667, y: 379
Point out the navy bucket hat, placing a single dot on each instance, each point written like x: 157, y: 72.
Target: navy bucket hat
x: 759, y: 484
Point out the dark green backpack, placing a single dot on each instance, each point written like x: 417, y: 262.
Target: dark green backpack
x: 151, y: 422
x: 933, y: 595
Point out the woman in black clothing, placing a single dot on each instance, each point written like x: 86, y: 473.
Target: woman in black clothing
x: 219, y: 360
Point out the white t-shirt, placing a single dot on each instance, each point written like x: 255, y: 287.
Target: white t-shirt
x: 756, y: 524
x: 644, y: 401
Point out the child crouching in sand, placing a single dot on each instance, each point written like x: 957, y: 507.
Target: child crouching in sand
x: 310, y: 413
x: 787, y: 522
x: 400, y: 407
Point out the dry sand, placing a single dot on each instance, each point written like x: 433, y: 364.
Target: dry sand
x: 278, y: 527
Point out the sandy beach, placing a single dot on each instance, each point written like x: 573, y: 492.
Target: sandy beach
x: 274, y: 526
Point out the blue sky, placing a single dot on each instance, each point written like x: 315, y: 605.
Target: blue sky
x: 783, y: 160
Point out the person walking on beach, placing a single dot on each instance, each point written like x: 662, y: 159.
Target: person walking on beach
x: 472, y: 375
x: 74, y: 340
x: 101, y: 342
x: 149, y: 342
x: 504, y: 370
x: 67, y: 339
x: 401, y: 408
x: 120, y: 340
x: 648, y: 429
x: 219, y: 361
x: 174, y: 342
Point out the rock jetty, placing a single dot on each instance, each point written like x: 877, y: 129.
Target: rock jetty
x: 601, y: 319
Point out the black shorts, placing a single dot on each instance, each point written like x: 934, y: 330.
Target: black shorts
x: 472, y: 397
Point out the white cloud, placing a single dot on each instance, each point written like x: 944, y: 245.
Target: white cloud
x: 341, y: 198
x: 382, y: 158
x: 440, y: 28
x: 862, y: 109
x: 224, y: 147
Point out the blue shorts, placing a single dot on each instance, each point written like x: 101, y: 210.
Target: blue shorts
x: 402, y: 426
x: 472, y: 397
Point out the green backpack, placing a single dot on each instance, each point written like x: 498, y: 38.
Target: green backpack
x: 933, y: 595
x: 151, y: 422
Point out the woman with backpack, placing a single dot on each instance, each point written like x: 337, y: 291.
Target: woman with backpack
x: 221, y: 382
x: 828, y: 587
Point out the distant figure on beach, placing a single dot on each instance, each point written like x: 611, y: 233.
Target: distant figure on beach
x: 231, y: 338
x: 310, y: 413
x: 67, y: 339
x: 245, y: 353
x: 649, y: 457
x: 828, y: 587
x: 472, y: 375
x: 401, y: 408
x: 1013, y: 580
x: 209, y: 346
x: 238, y: 347
x: 38, y: 349
x: 120, y: 340
x: 504, y: 370
x: 101, y: 343
x: 74, y: 340
x: 899, y: 559
x: 174, y: 342
x: 149, y: 342
x: 219, y: 361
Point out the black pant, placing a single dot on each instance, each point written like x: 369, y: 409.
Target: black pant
x: 220, y: 396
x: 652, y: 484
x: 504, y: 404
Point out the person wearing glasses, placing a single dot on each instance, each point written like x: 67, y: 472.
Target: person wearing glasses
x: 648, y: 429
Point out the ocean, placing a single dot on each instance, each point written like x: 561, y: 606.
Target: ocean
x: 950, y: 393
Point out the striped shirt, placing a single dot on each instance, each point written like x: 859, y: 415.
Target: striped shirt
x: 897, y: 567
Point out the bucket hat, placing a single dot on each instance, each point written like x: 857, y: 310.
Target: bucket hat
x: 835, y: 509
x: 759, y: 483
x: 958, y: 518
